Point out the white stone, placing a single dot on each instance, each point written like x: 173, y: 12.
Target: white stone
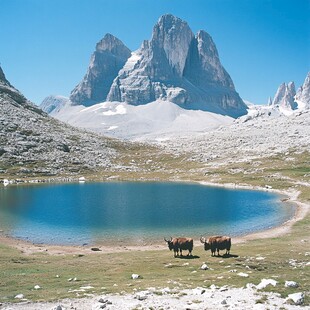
x: 243, y: 274
x: 37, y: 287
x: 135, y: 276
x: 19, y: 296
x: 204, y: 266
x: 298, y: 298
x: 291, y: 284
x: 266, y: 282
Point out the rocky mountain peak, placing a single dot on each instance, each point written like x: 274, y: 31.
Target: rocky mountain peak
x: 176, y: 66
x: 303, y: 93
x: 109, y: 57
x: 174, y: 36
x: 284, y: 97
x: 112, y: 44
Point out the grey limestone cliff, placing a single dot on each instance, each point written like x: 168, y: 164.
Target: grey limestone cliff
x: 177, y: 66
x: 109, y: 57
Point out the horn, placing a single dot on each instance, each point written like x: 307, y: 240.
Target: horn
x: 202, y: 239
x: 166, y: 240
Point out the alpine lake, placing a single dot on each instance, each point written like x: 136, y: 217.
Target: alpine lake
x: 134, y: 213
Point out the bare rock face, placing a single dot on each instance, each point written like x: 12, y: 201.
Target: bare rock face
x: 109, y: 57
x: 284, y: 97
x: 2, y: 77
x: 303, y: 93
x: 179, y: 67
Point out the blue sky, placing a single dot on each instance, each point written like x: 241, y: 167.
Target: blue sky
x: 46, y: 44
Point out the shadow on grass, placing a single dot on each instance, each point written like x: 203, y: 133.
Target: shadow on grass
x: 226, y: 255
x: 188, y: 257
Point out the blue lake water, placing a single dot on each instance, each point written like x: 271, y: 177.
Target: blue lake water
x: 133, y: 212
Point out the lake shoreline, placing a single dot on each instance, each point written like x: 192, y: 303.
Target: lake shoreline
x: 29, y: 248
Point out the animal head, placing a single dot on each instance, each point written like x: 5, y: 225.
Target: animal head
x: 206, y: 243
x: 170, y: 243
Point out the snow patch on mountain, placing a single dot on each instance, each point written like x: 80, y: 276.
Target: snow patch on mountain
x: 144, y: 122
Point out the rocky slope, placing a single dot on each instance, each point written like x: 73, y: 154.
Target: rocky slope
x: 178, y: 67
x: 109, y: 57
x: 33, y: 143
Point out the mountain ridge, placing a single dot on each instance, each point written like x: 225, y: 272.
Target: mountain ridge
x: 174, y: 65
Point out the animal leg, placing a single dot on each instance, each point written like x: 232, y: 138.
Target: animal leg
x: 181, y: 252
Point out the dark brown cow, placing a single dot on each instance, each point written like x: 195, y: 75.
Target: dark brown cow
x: 217, y: 243
x: 179, y: 244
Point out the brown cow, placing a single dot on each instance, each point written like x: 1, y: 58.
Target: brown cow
x: 177, y: 244
x: 217, y: 243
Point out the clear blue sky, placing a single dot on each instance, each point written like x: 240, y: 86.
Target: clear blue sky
x: 46, y: 44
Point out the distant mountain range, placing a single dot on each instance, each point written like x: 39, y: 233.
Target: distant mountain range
x: 287, y: 100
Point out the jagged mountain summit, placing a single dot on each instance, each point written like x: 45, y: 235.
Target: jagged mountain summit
x: 174, y: 65
x: 303, y: 94
x: 109, y: 57
x: 286, y: 102
x: 179, y: 67
x: 285, y: 97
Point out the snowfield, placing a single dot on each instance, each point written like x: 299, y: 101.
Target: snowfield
x: 144, y: 122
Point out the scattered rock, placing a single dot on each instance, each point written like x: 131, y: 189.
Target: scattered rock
x: 19, y: 296
x: 135, y: 276
x: 95, y: 249
x: 266, y: 282
x: 37, y: 287
x: 224, y: 288
x: 204, y: 266
x: 141, y: 296
x: 243, y: 274
x: 297, y: 298
x: 291, y: 284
